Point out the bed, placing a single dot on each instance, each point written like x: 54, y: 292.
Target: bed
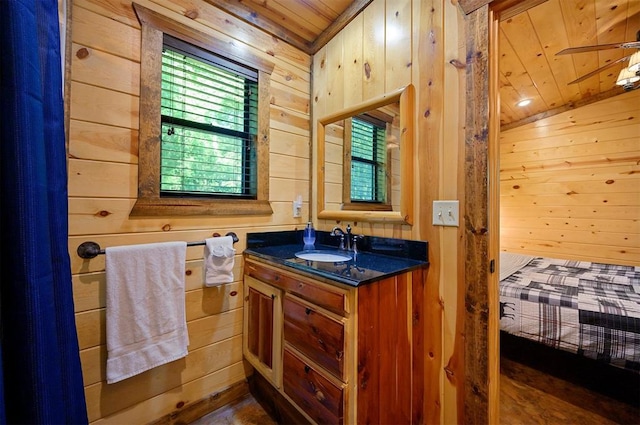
x: 590, y: 309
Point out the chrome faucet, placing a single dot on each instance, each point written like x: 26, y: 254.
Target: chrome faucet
x: 337, y: 231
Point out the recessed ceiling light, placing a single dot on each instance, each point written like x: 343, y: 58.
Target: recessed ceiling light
x: 524, y: 102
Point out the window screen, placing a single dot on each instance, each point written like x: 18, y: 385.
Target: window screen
x: 209, y: 124
x: 368, y: 160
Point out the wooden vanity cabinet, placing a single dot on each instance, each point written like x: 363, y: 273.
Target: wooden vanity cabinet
x: 348, y: 354
x: 262, y: 328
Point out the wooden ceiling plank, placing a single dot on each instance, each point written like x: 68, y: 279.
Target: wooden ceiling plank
x: 330, y: 9
x: 239, y: 10
x: 612, y: 25
x: 580, y: 21
x: 633, y: 21
x: 341, y: 21
x: 551, y: 112
x: 524, y: 40
x: 508, y: 99
x: 272, y: 11
x: 300, y: 13
x: 549, y: 26
x: 518, y: 79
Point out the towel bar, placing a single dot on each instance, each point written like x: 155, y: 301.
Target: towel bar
x: 91, y: 249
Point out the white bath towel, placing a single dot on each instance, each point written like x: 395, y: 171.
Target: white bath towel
x: 219, y: 257
x: 146, y: 322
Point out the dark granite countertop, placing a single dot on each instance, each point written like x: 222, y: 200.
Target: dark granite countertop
x: 377, y: 258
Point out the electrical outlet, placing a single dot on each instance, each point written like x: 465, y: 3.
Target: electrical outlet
x: 445, y: 213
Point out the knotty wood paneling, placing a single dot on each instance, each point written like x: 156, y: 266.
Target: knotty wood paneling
x: 429, y: 36
x: 103, y: 175
x: 570, y: 184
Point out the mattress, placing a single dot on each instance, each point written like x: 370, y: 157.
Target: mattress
x: 590, y: 309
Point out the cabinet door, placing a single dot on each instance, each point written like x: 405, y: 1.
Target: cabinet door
x: 262, y: 345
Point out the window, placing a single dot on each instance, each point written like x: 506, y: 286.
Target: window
x: 209, y: 124
x: 368, y: 160
x: 204, y: 123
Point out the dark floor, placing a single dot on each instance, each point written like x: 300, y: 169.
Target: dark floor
x: 541, y: 385
x: 244, y: 411
x: 536, y: 387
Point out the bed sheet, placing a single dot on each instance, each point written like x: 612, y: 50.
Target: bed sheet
x: 590, y: 309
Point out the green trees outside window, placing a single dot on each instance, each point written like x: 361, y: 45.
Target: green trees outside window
x: 368, y: 161
x: 209, y: 109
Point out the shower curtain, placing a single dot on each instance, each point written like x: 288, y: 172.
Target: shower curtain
x: 40, y: 374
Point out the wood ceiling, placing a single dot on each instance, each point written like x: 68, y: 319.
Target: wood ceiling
x: 529, y: 67
x: 529, y: 41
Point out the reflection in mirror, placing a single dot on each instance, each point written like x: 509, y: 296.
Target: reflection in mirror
x: 365, y: 161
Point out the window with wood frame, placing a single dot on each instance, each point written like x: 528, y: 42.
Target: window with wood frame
x: 368, y: 160
x: 367, y: 174
x: 204, y: 124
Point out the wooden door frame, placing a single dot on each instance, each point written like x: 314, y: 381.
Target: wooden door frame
x: 481, y: 375
x: 481, y: 391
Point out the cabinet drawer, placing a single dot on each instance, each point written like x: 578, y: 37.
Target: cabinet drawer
x: 323, y: 295
x: 313, y: 393
x: 315, y: 335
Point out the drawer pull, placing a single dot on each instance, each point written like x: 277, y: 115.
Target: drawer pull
x: 306, y: 369
x: 319, y: 395
x: 339, y: 355
x: 307, y: 311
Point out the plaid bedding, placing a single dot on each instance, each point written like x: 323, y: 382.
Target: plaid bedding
x: 590, y: 309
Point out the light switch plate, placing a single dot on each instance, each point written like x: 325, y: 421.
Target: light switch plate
x: 446, y: 213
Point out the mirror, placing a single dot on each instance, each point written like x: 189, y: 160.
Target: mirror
x: 365, y: 160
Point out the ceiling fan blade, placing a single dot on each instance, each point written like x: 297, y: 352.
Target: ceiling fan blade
x: 599, y: 70
x: 584, y: 49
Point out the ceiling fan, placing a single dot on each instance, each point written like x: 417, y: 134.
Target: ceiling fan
x: 628, y: 76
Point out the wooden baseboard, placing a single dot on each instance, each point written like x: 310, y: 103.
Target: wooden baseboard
x: 192, y: 411
x: 278, y: 407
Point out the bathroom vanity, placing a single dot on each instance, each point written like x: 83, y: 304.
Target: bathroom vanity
x: 339, y: 340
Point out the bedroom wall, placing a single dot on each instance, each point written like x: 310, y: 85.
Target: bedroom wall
x: 103, y: 157
x: 570, y: 184
x: 390, y: 44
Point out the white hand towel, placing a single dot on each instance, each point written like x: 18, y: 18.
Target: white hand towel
x: 219, y: 257
x: 146, y: 322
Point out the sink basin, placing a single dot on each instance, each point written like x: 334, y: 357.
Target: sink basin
x: 324, y: 256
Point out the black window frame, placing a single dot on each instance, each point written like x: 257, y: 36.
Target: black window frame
x: 249, y: 164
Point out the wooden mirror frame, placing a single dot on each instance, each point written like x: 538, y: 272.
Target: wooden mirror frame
x: 406, y: 98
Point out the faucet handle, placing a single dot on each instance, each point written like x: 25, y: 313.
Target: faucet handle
x: 355, y: 242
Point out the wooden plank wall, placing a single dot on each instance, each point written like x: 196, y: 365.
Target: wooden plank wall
x: 103, y: 156
x: 390, y: 44
x: 570, y: 184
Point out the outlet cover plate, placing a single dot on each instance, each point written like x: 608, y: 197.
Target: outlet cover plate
x: 446, y: 213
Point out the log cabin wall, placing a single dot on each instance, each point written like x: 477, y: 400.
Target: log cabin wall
x: 390, y: 44
x: 570, y: 184
x: 103, y: 156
